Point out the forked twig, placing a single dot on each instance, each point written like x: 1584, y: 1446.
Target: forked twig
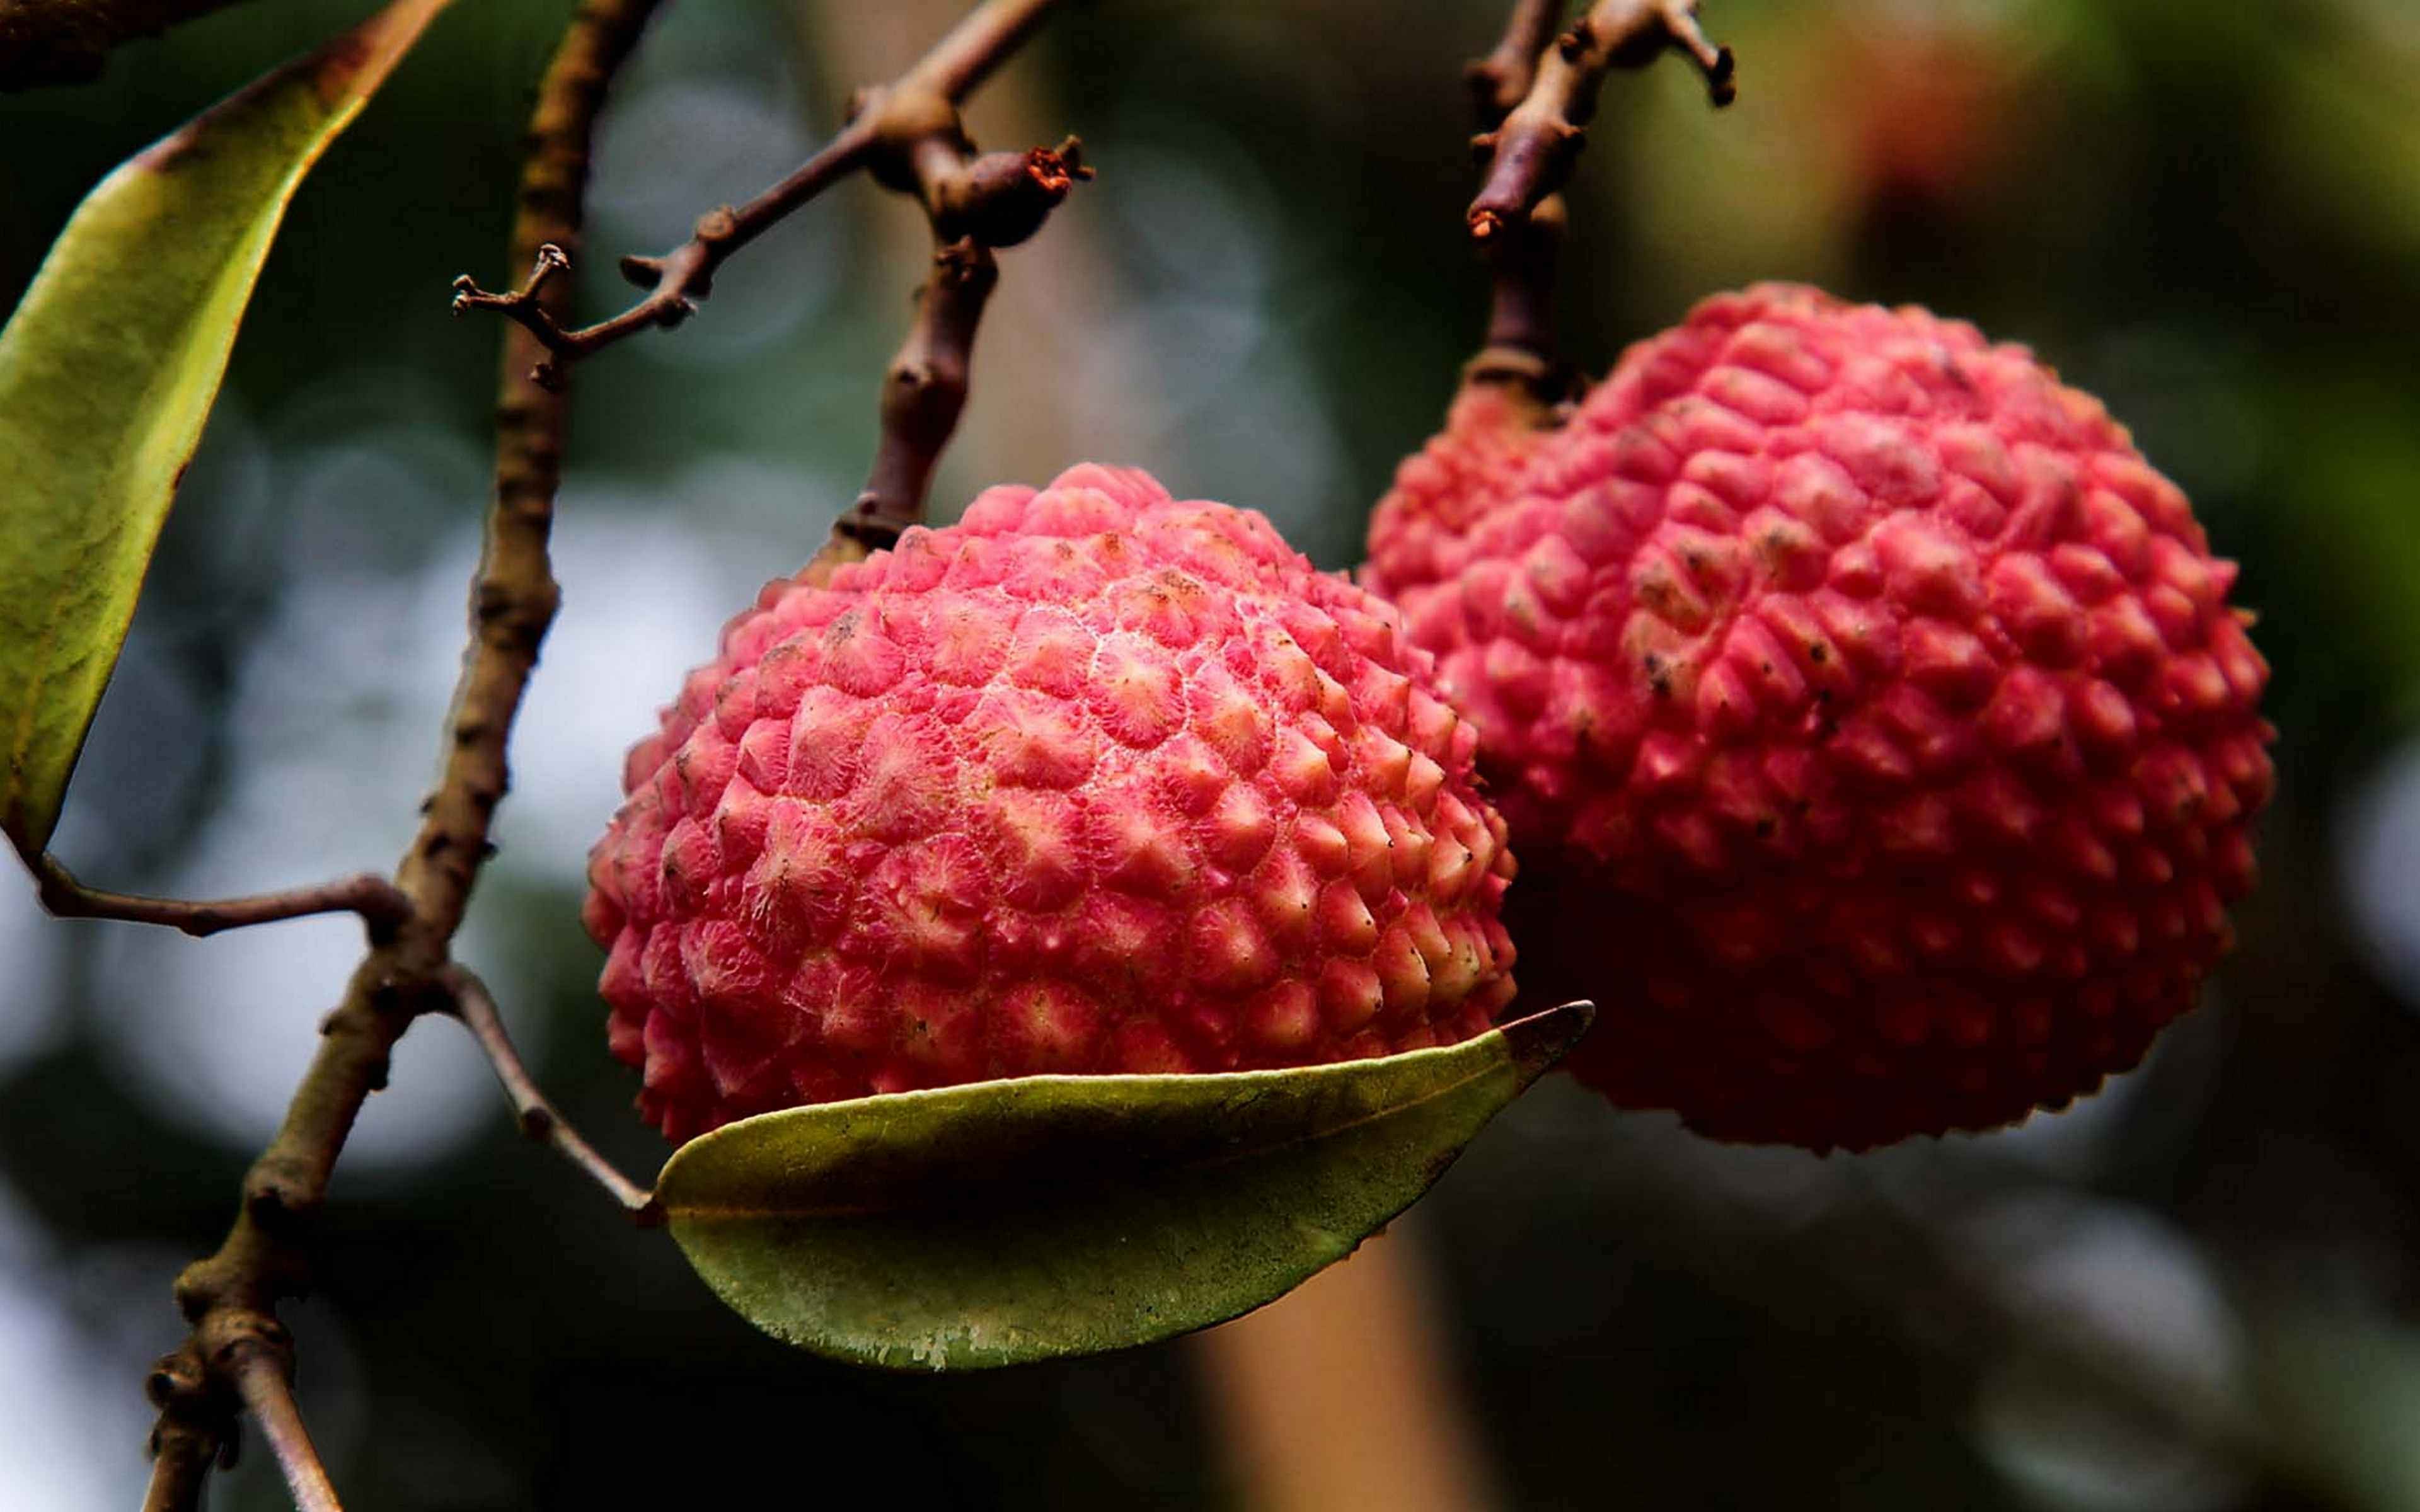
x: 231, y: 1298
x: 1533, y: 95
x: 475, y: 1007
x: 1530, y: 155
x: 901, y: 120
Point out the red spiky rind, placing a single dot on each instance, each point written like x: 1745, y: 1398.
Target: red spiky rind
x: 1419, y: 533
x: 1095, y: 781
x: 1870, y: 715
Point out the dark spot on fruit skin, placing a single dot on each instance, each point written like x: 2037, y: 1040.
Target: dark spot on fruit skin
x: 1766, y: 826
x: 1659, y: 675
x: 1818, y: 652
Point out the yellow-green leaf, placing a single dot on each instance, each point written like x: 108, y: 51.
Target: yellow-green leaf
x: 107, y: 371
x: 1010, y: 1221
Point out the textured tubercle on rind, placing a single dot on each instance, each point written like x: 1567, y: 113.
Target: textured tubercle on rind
x: 1094, y: 781
x: 1870, y: 717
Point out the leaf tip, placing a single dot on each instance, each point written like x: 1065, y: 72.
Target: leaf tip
x: 1541, y: 1039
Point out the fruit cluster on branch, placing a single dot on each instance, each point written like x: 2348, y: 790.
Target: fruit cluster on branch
x: 1873, y: 714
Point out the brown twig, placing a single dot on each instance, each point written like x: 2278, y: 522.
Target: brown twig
x: 197, y: 1428
x: 1521, y: 268
x: 231, y: 1298
x: 1532, y: 95
x: 1518, y: 353
x: 902, y: 121
x: 380, y: 903
x: 975, y: 204
x: 475, y: 1007
x: 922, y: 392
x: 1530, y: 155
x: 1501, y: 80
x: 263, y: 1379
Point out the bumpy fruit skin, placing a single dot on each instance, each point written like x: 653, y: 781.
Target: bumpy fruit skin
x: 1094, y: 781
x: 1870, y: 715
x: 1423, y: 530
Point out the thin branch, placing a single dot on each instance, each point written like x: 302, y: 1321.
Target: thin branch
x: 381, y: 903
x: 976, y: 47
x: 65, y: 42
x: 263, y: 1379
x: 975, y: 204
x: 231, y: 1298
x: 1519, y: 351
x: 475, y: 1007
x: 1501, y: 80
x: 1531, y: 99
x: 1530, y: 155
x: 922, y: 105
x: 196, y: 1428
x: 922, y: 393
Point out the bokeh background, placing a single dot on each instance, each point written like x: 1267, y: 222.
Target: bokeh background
x: 2197, y: 1292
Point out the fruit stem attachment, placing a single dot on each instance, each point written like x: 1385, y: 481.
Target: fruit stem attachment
x: 1520, y: 351
x: 475, y: 1008
x: 381, y: 903
x: 922, y: 392
x: 231, y: 1298
x: 975, y: 203
x: 895, y: 122
x: 1533, y: 96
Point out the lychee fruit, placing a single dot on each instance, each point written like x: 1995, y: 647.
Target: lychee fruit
x: 1467, y: 471
x: 1870, y: 717
x: 1094, y: 781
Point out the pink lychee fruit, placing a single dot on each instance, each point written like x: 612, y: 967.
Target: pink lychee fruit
x: 1094, y: 781
x: 1870, y: 717
x: 1424, y: 530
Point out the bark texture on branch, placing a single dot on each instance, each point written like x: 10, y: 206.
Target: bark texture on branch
x: 381, y: 903
x: 905, y: 131
x: 231, y: 1298
x: 1533, y: 96
x: 1531, y: 154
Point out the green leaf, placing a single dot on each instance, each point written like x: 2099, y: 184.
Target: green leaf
x: 1010, y: 1221
x: 107, y: 371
